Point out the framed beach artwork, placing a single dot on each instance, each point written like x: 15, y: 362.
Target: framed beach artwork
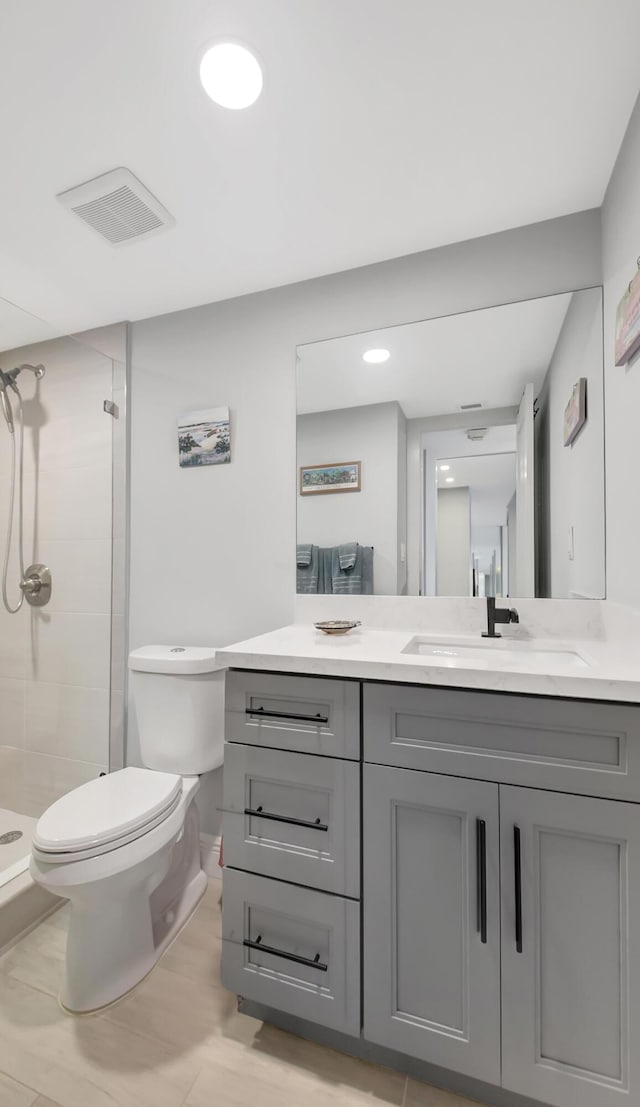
x: 575, y: 413
x: 628, y: 323
x: 204, y: 437
x: 343, y: 476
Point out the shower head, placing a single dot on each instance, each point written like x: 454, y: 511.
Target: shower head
x: 37, y: 370
x: 8, y: 380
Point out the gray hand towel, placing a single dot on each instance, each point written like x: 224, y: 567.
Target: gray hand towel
x: 347, y: 555
x: 303, y: 555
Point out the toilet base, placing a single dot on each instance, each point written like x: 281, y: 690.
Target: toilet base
x: 139, y: 964
x: 121, y: 924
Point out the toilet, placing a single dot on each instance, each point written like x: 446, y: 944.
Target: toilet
x: 124, y: 848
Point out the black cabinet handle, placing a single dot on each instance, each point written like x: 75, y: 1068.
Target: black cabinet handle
x: 517, y: 872
x: 314, y: 963
x: 260, y: 814
x: 318, y: 719
x: 481, y: 879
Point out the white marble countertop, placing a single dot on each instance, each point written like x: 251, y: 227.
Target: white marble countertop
x: 609, y: 668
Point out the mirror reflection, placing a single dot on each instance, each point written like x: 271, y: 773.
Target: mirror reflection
x: 460, y: 456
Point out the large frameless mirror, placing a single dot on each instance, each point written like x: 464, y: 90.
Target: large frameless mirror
x: 459, y: 456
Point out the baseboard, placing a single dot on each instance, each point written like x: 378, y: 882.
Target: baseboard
x: 210, y: 855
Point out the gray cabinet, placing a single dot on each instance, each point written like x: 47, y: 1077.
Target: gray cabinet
x: 431, y: 959
x: 571, y: 976
x: 500, y: 876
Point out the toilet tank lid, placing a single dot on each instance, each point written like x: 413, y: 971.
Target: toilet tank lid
x: 174, y: 659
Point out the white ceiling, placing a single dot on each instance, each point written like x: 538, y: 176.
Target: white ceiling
x: 436, y: 366
x: 479, y: 471
x: 383, y: 129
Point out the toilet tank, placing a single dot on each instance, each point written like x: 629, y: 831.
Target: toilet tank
x: 178, y: 698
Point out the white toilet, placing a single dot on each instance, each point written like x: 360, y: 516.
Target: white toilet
x: 125, y: 848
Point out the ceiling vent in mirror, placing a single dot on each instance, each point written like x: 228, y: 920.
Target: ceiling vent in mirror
x: 118, y: 207
x: 476, y: 434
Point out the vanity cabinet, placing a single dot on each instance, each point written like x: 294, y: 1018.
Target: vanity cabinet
x: 454, y: 876
x: 431, y: 922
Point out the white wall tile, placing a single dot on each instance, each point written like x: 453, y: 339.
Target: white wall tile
x: 119, y: 576
x: 116, y: 751
x: 79, y: 441
x: 13, y: 640
x: 74, y: 504
x: 67, y: 721
x: 81, y: 574
x: 12, y: 726
x: 117, y: 653
x: 70, y: 648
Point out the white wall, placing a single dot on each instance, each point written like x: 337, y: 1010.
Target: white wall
x: 620, y: 251
x: 453, y: 543
x: 573, y: 491
x: 211, y: 548
x: 368, y: 434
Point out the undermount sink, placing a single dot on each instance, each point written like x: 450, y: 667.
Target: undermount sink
x: 495, y: 653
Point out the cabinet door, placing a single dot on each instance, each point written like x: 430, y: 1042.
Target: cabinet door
x: 431, y: 961
x: 571, y: 948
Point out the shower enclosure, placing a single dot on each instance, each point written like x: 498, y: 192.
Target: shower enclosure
x: 62, y: 512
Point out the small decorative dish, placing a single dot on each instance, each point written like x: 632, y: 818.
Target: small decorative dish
x: 337, y: 626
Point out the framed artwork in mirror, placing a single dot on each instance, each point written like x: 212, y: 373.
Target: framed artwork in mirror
x: 341, y: 476
x: 575, y: 413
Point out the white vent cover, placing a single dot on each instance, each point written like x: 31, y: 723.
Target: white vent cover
x: 476, y: 434
x: 118, y: 207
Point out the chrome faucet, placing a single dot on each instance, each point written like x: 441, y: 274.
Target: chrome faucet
x: 498, y: 615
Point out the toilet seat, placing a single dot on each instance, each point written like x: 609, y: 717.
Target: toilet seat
x: 106, y: 813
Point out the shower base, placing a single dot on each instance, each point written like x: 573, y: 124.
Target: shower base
x: 16, y: 832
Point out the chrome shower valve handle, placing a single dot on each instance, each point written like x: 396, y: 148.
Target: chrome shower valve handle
x: 36, y: 585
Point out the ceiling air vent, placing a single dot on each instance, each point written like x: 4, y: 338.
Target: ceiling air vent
x: 476, y: 434
x: 118, y: 207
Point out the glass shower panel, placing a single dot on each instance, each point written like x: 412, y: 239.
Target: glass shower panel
x: 61, y: 664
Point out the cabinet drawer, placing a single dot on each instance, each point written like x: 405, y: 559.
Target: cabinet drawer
x: 308, y: 831
x: 307, y: 714
x: 566, y: 746
x: 292, y: 949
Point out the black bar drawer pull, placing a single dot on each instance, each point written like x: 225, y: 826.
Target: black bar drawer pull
x: 314, y: 963
x: 517, y: 872
x: 481, y: 879
x: 261, y: 712
x: 260, y: 814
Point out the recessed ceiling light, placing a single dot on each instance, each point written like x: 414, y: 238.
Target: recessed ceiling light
x: 444, y: 468
x: 375, y: 357
x: 231, y: 75
x: 450, y: 480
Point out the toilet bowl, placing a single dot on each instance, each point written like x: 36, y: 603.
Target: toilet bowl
x: 124, y: 849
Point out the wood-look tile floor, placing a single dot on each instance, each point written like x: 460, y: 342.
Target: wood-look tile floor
x: 176, y: 1041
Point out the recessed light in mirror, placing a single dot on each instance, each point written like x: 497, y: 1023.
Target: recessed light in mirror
x: 450, y: 480
x: 376, y: 357
x: 444, y: 468
x: 231, y: 75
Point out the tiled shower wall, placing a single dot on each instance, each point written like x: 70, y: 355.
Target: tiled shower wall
x: 56, y: 661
